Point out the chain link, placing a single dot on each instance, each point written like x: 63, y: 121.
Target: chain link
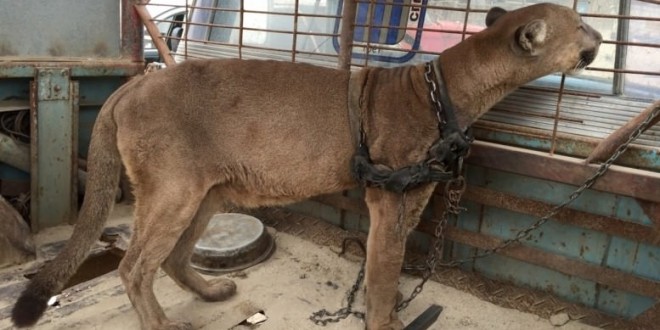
x: 323, y: 316
x: 433, y: 90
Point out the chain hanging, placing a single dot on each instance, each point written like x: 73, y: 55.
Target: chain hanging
x: 323, y: 316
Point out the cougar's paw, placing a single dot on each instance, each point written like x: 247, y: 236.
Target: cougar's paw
x: 219, y: 289
x: 175, y: 325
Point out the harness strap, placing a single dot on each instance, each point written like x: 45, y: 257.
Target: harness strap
x: 456, y: 142
x: 445, y: 156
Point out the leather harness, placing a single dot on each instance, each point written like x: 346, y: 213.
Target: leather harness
x: 445, y: 157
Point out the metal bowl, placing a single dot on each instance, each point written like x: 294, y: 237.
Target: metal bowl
x: 232, y: 242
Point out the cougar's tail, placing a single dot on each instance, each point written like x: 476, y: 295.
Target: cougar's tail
x: 104, y: 166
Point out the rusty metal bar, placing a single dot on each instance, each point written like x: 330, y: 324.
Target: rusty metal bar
x: 566, y: 91
x: 611, y: 277
x: 188, y: 17
x: 294, y: 44
x: 555, y: 125
x: 648, y: 73
x: 631, y: 43
x: 370, y: 14
x: 131, y: 32
x: 248, y: 11
x: 346, y: 35
x: 620, y: 53
x: 604, y: 224
x: 634, y: 18
x: 240, y: 32
x: 432, y: 7
x: 163, y: 50
x: 465, y: 19
x: 619, y: 180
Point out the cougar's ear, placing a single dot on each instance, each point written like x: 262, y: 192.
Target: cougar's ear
x: 531, y: 35
x: 493, y: 14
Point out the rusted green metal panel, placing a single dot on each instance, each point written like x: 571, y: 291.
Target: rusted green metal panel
x: 591, y: 246
x: 54, y: 147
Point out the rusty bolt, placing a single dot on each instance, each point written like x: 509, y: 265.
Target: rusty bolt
x: 57, y: 88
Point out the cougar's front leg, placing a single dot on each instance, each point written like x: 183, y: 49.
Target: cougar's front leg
x: 390, y: 223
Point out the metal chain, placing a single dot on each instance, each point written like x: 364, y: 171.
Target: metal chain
x: 323, y: 316
x: 433, y: 90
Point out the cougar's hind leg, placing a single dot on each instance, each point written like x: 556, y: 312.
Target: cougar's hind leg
x: 161, y: 217
x: 177, y: 264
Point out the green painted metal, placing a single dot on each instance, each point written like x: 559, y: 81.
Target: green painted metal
x: 54, y: 147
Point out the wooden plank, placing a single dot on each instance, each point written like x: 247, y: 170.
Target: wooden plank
x: 607, y: 276
x: 619, y: 180
x: 608, y: 225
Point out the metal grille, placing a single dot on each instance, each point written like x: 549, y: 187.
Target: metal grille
x: 622, y: 81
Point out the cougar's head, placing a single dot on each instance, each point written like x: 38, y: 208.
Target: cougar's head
x: 553, y: 36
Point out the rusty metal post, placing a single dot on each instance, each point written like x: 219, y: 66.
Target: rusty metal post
x: 346, y: 34
x: 132, y: 33
x: 155, y: 34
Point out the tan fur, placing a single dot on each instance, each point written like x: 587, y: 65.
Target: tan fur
x: 206, y: 136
